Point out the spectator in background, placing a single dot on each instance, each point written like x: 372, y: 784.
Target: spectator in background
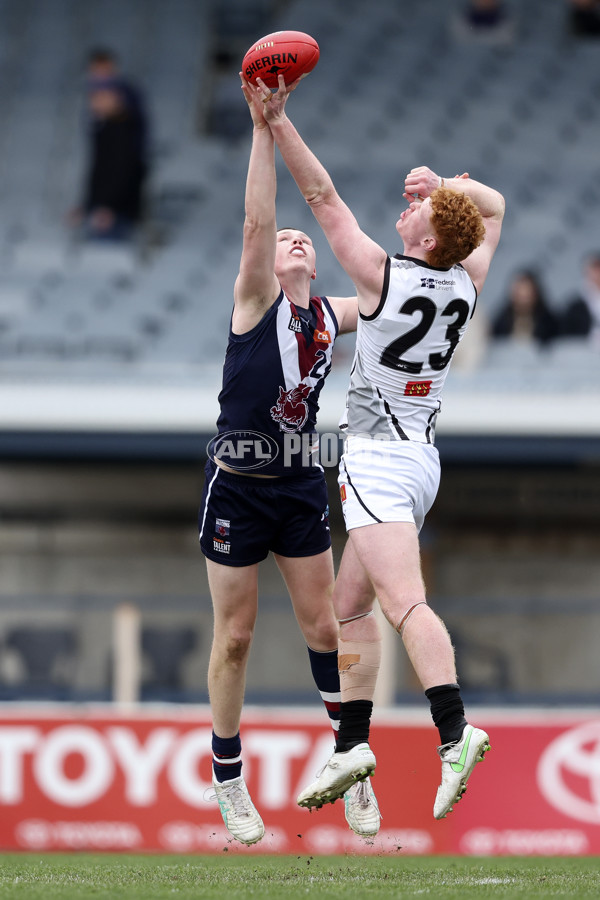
x: 103, y: 65
x: 118, y: 135
x: 581, y: 317
x: 117, y: 168
x: 484, y: 21
x: 526, y: 315
x: 584, y: 18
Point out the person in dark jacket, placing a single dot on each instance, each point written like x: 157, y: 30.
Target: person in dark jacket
x: 584, y: 18
x: 102, y: 64
x: 117, y: 167
x: 526, y: 315
x: 581, y: 317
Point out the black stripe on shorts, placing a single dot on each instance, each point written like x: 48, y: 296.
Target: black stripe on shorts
x: 364, y: 506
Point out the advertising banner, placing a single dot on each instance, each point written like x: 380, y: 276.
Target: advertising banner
x: 84, y: 779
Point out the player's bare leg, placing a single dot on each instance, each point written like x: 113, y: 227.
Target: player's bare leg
x: 309, y: 580
x: 390, y: 555
x: 353, y: 600
x: 234, y: 593
x: 346, y: 773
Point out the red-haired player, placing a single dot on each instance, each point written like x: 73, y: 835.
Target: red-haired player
x: 414, y: 309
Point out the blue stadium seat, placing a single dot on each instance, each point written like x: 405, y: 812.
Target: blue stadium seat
x: 166, y: 650
x: 46, y: 655
x: 522, y: 117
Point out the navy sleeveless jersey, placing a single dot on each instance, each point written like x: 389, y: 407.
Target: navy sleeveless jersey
x: 272, y: 378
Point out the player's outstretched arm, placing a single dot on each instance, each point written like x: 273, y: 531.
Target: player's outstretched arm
x: 362, y: 259
x: 490, y: 203
x: 256, y: 287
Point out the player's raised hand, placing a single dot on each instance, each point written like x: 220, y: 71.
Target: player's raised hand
x: 253, y: 95
x: 420, y: 183
x: 274, y: 103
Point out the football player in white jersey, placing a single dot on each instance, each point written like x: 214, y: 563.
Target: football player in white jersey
x: 413, y: 311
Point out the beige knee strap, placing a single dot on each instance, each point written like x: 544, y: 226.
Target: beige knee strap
x: 358, y: 663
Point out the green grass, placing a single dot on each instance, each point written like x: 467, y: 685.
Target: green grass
x: 335, y: 877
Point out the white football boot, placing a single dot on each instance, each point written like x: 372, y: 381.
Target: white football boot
x: 340, y: 773
x: 362, y: 811
x: 458, y: 761
x: 241, y: 817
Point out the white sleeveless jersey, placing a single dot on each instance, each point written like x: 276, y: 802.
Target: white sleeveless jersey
x: 404, y: 349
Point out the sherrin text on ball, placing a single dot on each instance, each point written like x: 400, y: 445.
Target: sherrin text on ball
x: 288, y: 53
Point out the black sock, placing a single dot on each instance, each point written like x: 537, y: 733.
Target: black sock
x: 227, y: 757
x: 355, y: 720
x: 447, y: 711
x: 324, y: 668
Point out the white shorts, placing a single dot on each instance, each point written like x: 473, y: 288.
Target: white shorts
x: 387, y: 481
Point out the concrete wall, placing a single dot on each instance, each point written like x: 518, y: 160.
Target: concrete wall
x: 76, y: 541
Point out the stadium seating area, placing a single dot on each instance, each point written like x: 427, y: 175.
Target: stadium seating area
x: 524, y: 118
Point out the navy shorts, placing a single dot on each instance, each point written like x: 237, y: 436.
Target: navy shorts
x: 241, y: 518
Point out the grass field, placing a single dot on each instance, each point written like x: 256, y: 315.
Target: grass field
x: 335, y: 877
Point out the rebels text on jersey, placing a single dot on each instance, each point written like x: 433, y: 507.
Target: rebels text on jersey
x: 404, y: 349
x: 272, y: 378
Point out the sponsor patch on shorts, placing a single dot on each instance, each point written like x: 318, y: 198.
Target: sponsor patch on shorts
x: 222, y: 527
x: 221, y: 546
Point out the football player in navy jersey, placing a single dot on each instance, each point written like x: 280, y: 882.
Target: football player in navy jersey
x: 414, y: 309
x: 264, y: 489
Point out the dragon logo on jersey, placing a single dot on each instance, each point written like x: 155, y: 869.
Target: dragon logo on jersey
x: 291, y: 409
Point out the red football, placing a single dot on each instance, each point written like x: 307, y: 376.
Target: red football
x: 287, y: 53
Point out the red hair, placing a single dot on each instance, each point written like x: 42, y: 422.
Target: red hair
x: 458, y: 227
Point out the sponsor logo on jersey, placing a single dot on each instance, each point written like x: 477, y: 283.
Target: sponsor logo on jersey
x: 417, y: 388
x: 222, y: 527
x: 322, y: 337
x: 291, y: 409
x: 221, y: 546
x: 343, y: 492
x: 442, y: 284
x: 295, y: 324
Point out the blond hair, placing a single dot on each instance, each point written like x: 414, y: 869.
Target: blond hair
x: 458, y: 227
